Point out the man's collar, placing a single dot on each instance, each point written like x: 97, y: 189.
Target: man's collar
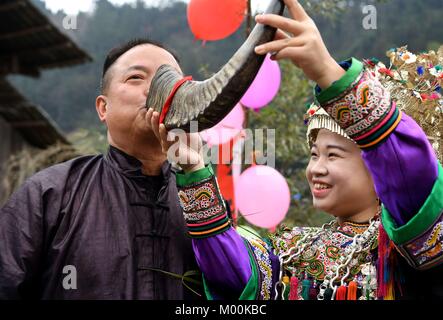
x: 130, y: 166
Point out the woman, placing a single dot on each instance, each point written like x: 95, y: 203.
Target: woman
x: 364, y: 151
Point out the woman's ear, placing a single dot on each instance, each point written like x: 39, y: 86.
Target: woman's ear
x: 100, y: 106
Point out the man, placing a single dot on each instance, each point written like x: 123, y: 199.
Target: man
x: 107, y: 226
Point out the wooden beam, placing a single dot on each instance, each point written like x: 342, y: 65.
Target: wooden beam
x: 9, y: 94
x: 12, y: 64
x: 28, y: 124
x: 13, y: 5
x: 24, y: 32
x: 66, y: 62
x: 36, y: 50
x: 15, y: 107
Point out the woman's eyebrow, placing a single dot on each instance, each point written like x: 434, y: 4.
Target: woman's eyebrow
x: 333, y: 146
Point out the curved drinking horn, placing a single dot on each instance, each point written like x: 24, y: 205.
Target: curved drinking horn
x: 209, y: 101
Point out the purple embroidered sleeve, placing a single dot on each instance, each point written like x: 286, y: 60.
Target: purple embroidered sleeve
x: 224, y: 261
x: 233, y: 265
x: 404, y: 169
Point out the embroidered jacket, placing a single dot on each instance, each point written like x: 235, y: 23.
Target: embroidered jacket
x: 408, y: 179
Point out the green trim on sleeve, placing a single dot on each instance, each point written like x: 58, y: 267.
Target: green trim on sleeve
x: 251, y: 288
x: 247, y: 232
x: 185, y: 179
x: 207, y: 290
x: 422, y: 221
x: 341, y: 85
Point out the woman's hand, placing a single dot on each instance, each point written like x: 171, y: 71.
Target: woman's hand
x: 305, y: 47
x: 183, y: 148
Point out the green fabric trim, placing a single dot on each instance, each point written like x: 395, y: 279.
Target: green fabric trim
x: 186, y: 179
x: 251, y: 288
x: 207, y: 290
x: 341, y: 85
x: 247, y: 232
x: 422, y: 221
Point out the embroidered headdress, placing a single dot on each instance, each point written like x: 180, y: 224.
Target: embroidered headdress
x: 415, y: 84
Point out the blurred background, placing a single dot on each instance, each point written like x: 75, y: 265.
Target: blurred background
x: 51, y: 74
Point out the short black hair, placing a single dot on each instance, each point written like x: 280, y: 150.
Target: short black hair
x: 118, y: 51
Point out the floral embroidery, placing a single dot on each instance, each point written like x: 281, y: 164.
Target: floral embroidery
x: 201, y: 201
x: 261, y: 253
x: 321, y: 257
x: 426, y: 250
x: 368, y: 103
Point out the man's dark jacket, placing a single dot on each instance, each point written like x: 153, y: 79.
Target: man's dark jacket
x: 95, y: 227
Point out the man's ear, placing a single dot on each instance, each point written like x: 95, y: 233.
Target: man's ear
x: 100, y: 106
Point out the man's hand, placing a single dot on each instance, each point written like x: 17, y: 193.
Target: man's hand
x: 183, y: 148
x: 305, y: 48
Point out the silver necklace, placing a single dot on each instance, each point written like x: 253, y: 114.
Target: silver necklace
x: 360, y: 243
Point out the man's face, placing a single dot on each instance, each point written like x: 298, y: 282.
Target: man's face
x: 129, y: 81
x: 340, y: 183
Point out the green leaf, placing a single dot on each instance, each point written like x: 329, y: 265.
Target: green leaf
x: 183, y: 277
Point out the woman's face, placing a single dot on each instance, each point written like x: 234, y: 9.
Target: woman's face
x: 339, y: 180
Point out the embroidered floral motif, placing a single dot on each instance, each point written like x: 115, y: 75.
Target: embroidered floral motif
x: 321, y: 257
x: 205, y: 214
x: 362, y: 107
x: 426, y: 250
x: 332, y: 252
x: 261, y: 253
x: 201, y: 201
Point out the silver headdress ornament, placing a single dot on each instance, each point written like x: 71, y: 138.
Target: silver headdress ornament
x: 318, y: 118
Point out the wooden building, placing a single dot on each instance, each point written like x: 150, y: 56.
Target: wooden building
x: 29, y: 43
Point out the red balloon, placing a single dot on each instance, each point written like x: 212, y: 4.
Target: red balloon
x: 215, y: 19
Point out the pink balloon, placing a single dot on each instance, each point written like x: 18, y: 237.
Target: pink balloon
x: 264, y: 87
x: 226, y: 129
x: 262, y: 196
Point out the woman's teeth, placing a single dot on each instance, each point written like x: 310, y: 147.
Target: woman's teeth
x: 321, y: 186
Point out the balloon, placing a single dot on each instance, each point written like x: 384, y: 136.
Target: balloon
x: 262, y: 196
x: 215, y: 19
x: 226, y: 129
x: 264, y: 87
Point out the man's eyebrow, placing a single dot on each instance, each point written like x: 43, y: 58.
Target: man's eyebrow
x: 138, y: 67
